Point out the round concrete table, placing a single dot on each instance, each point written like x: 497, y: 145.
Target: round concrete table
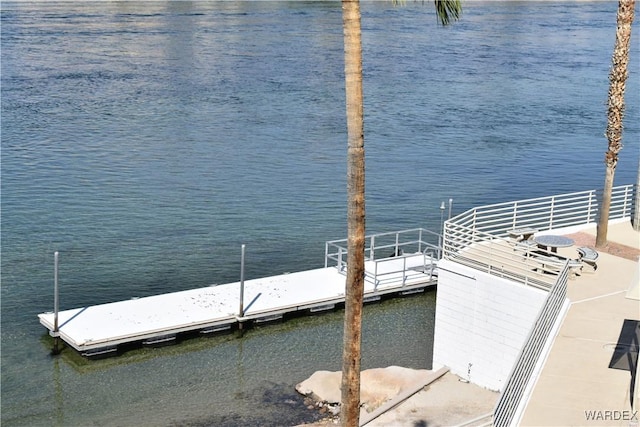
x: 553, y: 241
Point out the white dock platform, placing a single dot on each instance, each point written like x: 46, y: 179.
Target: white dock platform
x: 100, y: 329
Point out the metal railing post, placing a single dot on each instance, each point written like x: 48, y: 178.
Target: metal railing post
x: 241, y: 311
x: 627, y: 206
x: 473, y: 224
x: 56, y: 302
x: 371, y: 250
x: 404, y: 271
x: 326, y: 255
x: 635, y: 219
x: 375, y: 276
x: 397, y: 241
x: 441, y: 242
x: 442, y: 208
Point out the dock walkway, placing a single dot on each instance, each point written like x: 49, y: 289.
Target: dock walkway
x: 100, y: 329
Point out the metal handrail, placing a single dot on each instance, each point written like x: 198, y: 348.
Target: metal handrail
x: 489, y: 225
x: 418, y: 245
x: 410, y: 240
x: 413, y: 266
x: 545, y: 213
x: 506, y: 409
x: 501, y: 257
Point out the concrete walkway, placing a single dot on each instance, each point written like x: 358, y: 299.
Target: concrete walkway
x: 585, y: 381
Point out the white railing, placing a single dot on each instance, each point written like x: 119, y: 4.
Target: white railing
x: 405, y: 254
x: 490, y: 225
x: 500, y: 257
x: 386, y: 245
x: 546, y: 213
x: 506, y: 409
x: 405, y: 268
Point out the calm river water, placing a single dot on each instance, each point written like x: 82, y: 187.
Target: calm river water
x: 147, y: 141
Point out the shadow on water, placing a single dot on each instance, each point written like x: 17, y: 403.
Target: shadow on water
x: 275, y: 405
x: 233, y: 378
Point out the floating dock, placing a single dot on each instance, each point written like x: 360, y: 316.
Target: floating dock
x: 100, y: 329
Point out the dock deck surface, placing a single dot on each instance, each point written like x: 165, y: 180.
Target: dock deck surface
x: 101, y: 328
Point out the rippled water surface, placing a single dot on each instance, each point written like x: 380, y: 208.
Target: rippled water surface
x: 147, y: 141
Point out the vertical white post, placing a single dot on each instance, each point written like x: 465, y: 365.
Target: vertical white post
x: 55, y: 292
x: 371, y: 249
x: 636, y: 212
x: 441, y: 232
x: 397, y: 249
x: 326, y: 254
x: 56, y: 349
x: 242, y: 282
x: 450, y: 206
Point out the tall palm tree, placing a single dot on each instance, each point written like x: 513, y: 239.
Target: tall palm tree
x: 447, y: 10
x: 617, y: 80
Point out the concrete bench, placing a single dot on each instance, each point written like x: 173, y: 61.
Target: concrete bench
x: 520, y: 234
x: 521, y: 239
x: 588, y: 256
x: 554, y: 263
x: 525, y: 246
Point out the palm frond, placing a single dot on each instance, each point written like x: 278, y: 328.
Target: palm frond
x: 448, y: 10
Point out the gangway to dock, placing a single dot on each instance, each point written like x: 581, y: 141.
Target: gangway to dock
x: 100, y: 329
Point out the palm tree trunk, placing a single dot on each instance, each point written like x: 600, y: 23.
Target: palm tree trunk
x: 617, y: 80
x: 354, y: 289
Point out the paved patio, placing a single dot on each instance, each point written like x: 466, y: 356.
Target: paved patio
x: 586, y: 379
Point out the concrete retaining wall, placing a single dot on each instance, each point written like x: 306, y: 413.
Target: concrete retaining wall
x: 482, y: 321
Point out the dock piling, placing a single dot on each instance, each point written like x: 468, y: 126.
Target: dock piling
x: 241, y: 310
x: 56, y: 334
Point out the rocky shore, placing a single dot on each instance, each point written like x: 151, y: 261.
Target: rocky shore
x: 396, y: 396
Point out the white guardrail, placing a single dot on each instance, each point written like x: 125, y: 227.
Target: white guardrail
x: 508, y: 405
x: 406, y: 254
x: 545, y: 213
x: 479, y: 237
